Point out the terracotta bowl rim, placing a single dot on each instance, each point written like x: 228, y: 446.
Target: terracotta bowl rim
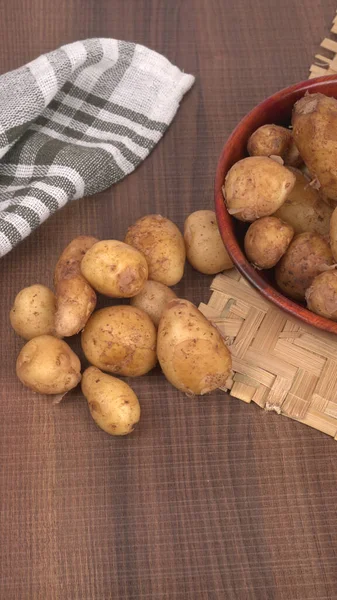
x: 224, y: 219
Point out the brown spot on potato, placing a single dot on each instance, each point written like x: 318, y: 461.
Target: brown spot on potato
x: 95, y: 407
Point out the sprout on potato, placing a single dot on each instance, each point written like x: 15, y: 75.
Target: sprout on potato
x: 266, y: 240
x: 48, y: 365
x: 321, y: 297
x: 204, y: 247
x: 33, y: 312
x: 256, y: 187
x: 112, y: 403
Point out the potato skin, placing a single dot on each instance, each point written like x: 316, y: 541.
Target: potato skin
x: 75, y: 298
x: 191, y: 352
x: 292, y: 157
x: 33, y: 312
x: 115, y: 269
x: 204, y: 247
x: 121, y: 340
x: 269, y: 140
x: 306, y: 257
x: 152, y: 299
x: 256, y: 187
x: 162, y: 244
x: 48, y: 365
x: 304, y: 208
x: 266, y: 240
x: 333, y: 233
x: 321, y: 297
x: 314, y: 123
x: 112, y: 403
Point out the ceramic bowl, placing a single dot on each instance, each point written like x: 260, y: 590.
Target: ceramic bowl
x: 275, y: 109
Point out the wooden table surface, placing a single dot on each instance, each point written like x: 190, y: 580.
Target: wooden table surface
x: 209, y: 498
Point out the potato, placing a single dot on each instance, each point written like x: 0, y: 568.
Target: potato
x: 115, y: 269
x: 256, y: 187
x: 112, y: 403
x: 269, y: 140
x: 204, y: 247
x: 75, y: 298
x: 162, y: 245
x: 314, y: 123
x: 33, y: 312
x: 266, y: 241
x: 321, y: 297
x: 304, y: 209
x: 292, y: 157
x: 307, y: 256
x: 48, y: 365
x: 333, y: 233
x: 120, y: 339
x: 191, y: 352
x: 152, y: 299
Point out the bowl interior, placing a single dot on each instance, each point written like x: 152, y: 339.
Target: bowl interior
x: 277, y: 109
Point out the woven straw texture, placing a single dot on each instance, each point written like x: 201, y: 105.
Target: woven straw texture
x: 279, y: 363
x: 326, y: 61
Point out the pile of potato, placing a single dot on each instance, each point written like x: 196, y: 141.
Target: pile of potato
x: 287, y: 190
x: 125, y: 339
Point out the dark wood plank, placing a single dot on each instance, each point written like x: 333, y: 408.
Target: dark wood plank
x: 209, y: 498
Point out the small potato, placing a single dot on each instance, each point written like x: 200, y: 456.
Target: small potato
x: 33, y: 312
x: 204, y: 247
x: 162, y: 245
x: 112, y: 403
x: 191, y: 352
x: 152, y: 299
x: 321, y: 297
x: 314, y: 123
x: 304, y: 208
x: 115, y: 269
x: 48, y: 365
x: 120, y: 339
x: 307, y: 256
x: 266, y: 241
x: 333, y: 233
x: 256, y: 187
x: 269, y: 140
x: 75, y: 298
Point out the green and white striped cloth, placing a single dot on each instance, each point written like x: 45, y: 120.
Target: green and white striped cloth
x: 76, y: 120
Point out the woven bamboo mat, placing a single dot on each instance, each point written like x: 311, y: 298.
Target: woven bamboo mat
x: 279, y: 363
x: 326, y: 61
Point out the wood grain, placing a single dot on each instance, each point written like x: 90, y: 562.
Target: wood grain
x: 209, y: 498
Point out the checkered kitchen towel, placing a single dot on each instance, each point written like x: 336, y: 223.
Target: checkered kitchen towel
x: 75, y: 121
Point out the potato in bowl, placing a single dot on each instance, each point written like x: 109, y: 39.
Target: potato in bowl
x: 276, y: 110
